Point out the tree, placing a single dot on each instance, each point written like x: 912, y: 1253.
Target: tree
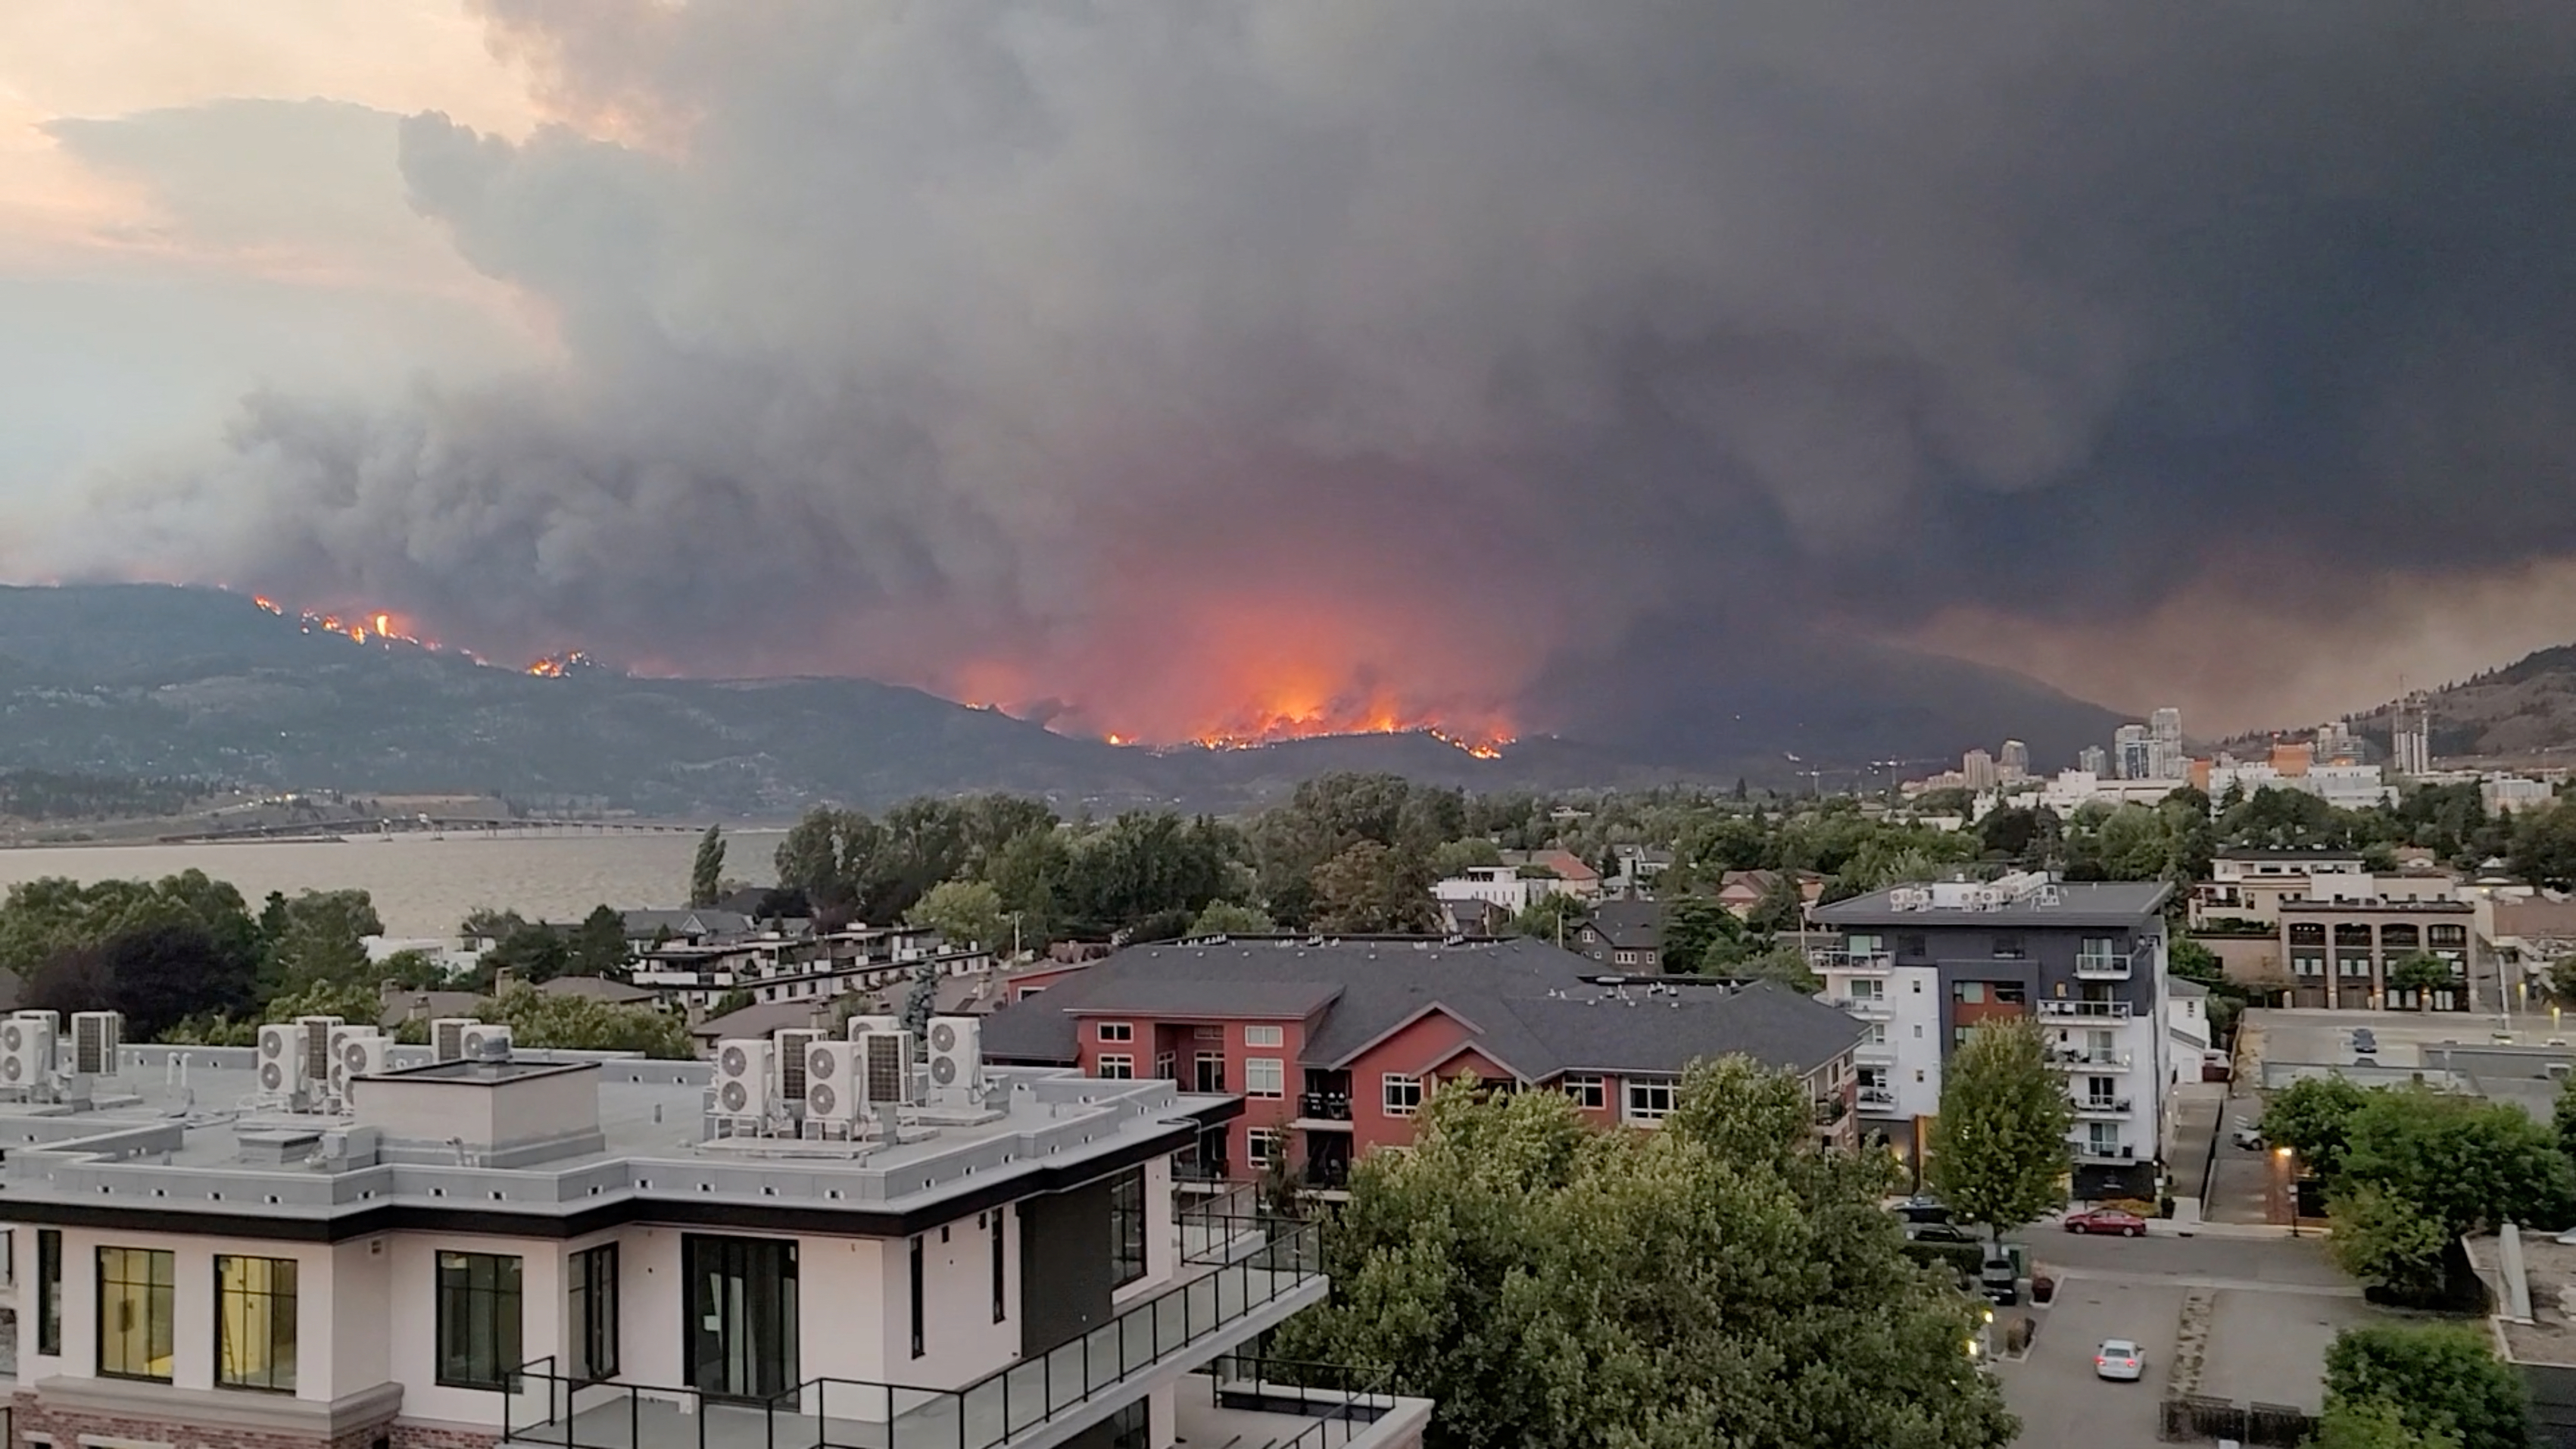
x: 2422, y: 972
x: 1451, y: 859
x: 1715, y: 1282
x: 2313, y: 1117
x: 2374, y: 1424
x: 348, y: 1000
x: 1553, y: 917
x: 162, y: 974
x: 2563, y: 1118
x: 598, y: 945
x: 964, y: 913
x: 2439, y: 1379
x: 1999, y: 1148
x: 530, y: 953
x: 1781, y: 907
x: 579, y: 1023
x: 2383, y: 1238
x: 2465, y: 1164
x: 706, y: 873
x: 1369, y: 888
x: 1697, y: 931
x: 1225, y: 918
x: 1786, y: 965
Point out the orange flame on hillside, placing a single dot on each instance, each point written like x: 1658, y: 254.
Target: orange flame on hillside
x: 556, y: 666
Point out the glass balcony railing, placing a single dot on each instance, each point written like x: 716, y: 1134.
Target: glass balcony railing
x: 546, y: 1406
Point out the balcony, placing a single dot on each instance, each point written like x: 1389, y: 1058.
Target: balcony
x: 2101, y: 966
x: 1327, y: 1174
x: 2088, y: 1058
x: 1875, y: 1053
x: 2087, y: 1150
x: 1323, y: 1111
x: 1244, y: 1400
x: 1856, y: 963
x: 1197, y: 1319
x: 1867, y: 1008
x: 2097, y: 1010
x: 2102, y: 1107
x: 1878, y: 1099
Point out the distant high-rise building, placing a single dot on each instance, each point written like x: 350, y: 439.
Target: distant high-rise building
x: 2132, y: 753
x: 2092, y: 761
x: 1978, y: 768
x: 2165, y: 758
x: 2410, y: 735
x: 2014, y: 762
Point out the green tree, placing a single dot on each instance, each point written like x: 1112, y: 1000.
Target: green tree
x: 2374, y: 1424
x: 579, y: 1023
x: 350, y: 1001
x: 738, y: 999
x: 2440, y: 1379
x: 2421, y: 972
x: 2313, y: 1117
x: 1784, y: 964
x: 1225, y: 918
x: 1451, y: 859
x: 531, y: 954
x: 1716, y: 1282
x: 1553, y: 918
x: 1999, y: 1148
x: 1030, y: 874
x: 2563, y: 1118
x: 1782, y: 906
x: 1370, y: 888
x: 2465, y: 1164
x: 597, y: 947
x: 1697, y: 932
x: 964, y: 913
x: 2381, y: 1237
x: 706, y: 872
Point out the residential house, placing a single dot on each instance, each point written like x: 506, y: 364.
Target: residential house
x: 1623, y: 935
x: 1334, y: 1044
x: 645, y: 929
x: 566, y: 1249
x: 1924, y: 965
x: 1741, y: 890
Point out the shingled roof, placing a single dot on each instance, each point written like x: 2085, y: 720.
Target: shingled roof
x: 1526, y: 1004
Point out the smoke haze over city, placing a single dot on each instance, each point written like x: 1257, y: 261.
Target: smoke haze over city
x: 1243, y: 368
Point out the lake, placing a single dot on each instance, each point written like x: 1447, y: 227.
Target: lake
x: 424, y: 885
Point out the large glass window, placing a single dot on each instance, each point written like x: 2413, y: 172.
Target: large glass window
x: 591, y: 1301
x: 742, y: 1316
x: 136, y: 1315
x: 255, y: 1323
x: 478, y: 1320
x: 1400, y: 1095
x: 49, y: 1292
x: 1127, y: 1227
x: 1650, y: 1099
x: 1263, y: 1077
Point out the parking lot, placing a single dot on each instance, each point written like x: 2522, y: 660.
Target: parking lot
x: 2272, y: 1306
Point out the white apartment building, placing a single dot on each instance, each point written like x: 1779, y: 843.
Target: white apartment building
x: 794, y: 968
x: 1500, y: 885
x: 1925, y: 964
x: 213, y: 1248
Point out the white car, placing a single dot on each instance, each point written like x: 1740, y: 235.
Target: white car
x: 2119, y: 1359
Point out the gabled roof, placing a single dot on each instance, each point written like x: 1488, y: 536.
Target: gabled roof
x: 709, y: 922
x: 1629, y: 924
x: 595, y: 988
x: 766, y: 1018
x: 1520, y: 1002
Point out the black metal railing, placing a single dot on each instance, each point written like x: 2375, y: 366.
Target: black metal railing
x: 543, y: 1406
x: 1324, y: 1106
x: 1342, y: 1400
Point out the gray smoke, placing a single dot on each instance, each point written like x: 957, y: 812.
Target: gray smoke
x: 1464, y: 347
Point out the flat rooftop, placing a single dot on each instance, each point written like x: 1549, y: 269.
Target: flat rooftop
x: 183, y: 1129
x: 2060, y: 903
x: 2549, y: 1267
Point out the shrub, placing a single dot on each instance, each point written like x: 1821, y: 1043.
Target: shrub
x: 2042, y: 1288
x: 2018, y: 1333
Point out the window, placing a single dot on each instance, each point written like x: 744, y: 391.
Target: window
x: 1586, y: 1091
x: 1868, y: 988
x: 1261, y: 1146
x: 2308, y: 965
x: 1402, y: 1096
x: 1909, y: 945
x: 1116, y: 1068
x: 591, y: 1305
x: 1264, y: 1036
x: 918, y: 1325
x: 1877, y: 1035
x: 255, y: 1323
x: 1262, y: 1077
x: 1001, y: 1305
x: 2008, y: 948
x: 1127, y: 1227
x: 137, y: 1319
x: 1972, y: 993
x: 49, y: 1292
x: 1118, y: 1031
x: 1210, y: 1072
x: 1650, y: 1099
x: 478, y: 1320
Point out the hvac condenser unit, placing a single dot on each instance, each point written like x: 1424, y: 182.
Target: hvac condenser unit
x: 956, y: 1054
x: 862, y: 1025
x: 281, y: 1059
x: 885, y: 1067
x: 96, y: 1036
x: 832, y: 1085
x: 362, y: 1056
x: 342, y: 1039
x: 790, y: 1057
x: 447, y: 1037
x: 742, y: 1077
x: 484, y: 1041
x: 26, y: 1051
x: 317, y: 1045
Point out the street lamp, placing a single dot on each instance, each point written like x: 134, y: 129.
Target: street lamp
x: 2281, y: 1177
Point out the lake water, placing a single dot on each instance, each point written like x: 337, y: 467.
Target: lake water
x: 424, y: 885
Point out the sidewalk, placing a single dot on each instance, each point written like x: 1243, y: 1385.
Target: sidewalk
x: 2188, y: 1223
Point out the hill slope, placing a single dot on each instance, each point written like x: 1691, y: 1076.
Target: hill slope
x: 2522, y: 709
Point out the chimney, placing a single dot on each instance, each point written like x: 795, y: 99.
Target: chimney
x: 504, y: 979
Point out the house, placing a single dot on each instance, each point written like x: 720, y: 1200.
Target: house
x: 570, y: 1249
x: 1473, y: 917
x: 778, y: 967
x: 1628, y: 935
x: 1923, y: 965
x: 1480, y: 890
x: 597, y: 988
x: 1334, y: 1044
x: 1639, y: 867
x: 685, y: 927
x: 1741, y: 890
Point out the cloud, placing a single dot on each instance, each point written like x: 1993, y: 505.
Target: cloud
x: 1197, y: 365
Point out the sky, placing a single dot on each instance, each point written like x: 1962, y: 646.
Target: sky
x: 1173, y: 371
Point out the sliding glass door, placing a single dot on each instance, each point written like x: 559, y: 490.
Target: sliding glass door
x: 741, y: 1316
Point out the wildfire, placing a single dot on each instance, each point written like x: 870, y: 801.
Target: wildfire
x: 369, y: 626
x: 556, y: 666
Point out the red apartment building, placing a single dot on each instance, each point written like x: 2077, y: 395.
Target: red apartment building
x: 1333, y: 1044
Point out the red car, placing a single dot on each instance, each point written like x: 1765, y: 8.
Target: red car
x: 2107, y: 1220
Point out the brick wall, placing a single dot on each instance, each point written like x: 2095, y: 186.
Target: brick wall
x: 64, y: 1429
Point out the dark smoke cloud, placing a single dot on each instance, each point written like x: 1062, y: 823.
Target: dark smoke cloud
x: 1488, y: 351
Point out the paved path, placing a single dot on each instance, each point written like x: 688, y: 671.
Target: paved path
x: 2196, y: 1280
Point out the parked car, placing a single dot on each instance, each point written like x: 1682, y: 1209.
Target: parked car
x: 2364, y: 1039
x: 2107, y: 1220
x: 1937, y: 1233
x: 2118, y: 1358
x: 1922, y: 1210
x: 2000, y: 1281
x: 2248, y: 1137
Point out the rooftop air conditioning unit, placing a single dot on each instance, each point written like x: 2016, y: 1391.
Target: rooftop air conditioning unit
x: 485, y: 1041
x: 341, y: 1038
x: 790, y: 1057
x: 742, y: 1077
x: 317, y: 1045
x: 362, y: 1056
x: 885, y: 1064
x: 957, y: 1055
x: 26, y: 1051
x: 447, y: 1037
x: 861, y: 1025
x: 96, y: 1035
x: 281, y: 1059
x: 832, y: 1086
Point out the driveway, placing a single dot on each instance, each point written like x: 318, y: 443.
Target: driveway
x: 2055, y: 1391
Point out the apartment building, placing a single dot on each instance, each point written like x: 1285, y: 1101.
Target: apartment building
x: 2249, y: 885
x: 338, y: 1243
x: 1923, y: 965
x: 1335, y: 1044
x: 2339, y: 951
x: 782, y: 968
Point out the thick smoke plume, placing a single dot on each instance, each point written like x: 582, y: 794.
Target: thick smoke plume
x: 1481, y: 360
